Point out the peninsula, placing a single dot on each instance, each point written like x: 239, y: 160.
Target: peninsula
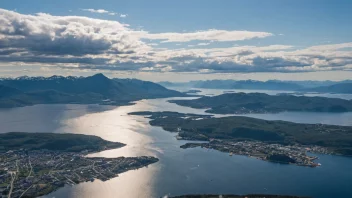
x: 36, y: 164
x: 276, y: 141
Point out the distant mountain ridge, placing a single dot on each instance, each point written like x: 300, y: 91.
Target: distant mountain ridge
x: 301, y: 86
x: 313, y: 83
x: 244, y: 103
x: 98, y: 88
x: 233, y: 84
x: 345, y: 88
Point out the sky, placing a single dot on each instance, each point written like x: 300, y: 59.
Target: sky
x: 178, y: 40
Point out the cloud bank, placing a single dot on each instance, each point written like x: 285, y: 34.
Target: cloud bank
x: 209, y: 35
x: 88, y: 43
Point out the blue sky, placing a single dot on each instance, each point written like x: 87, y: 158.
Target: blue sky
x: 308, y: 37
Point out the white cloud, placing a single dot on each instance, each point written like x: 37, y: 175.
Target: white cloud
x: 99, y: 11
x: 65, y: 36
x: 330, y: 47
x: 123, y: 15
x: 208, y: 35
x: 74, y: 42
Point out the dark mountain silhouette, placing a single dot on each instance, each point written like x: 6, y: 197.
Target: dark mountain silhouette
x: 233, y: 84
x: 93, y: 89
x: 242, y: 103
x: 6, y: 91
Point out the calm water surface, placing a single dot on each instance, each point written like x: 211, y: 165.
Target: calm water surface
x: 181, y: 171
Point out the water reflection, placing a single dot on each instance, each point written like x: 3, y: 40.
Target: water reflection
x: 43, y: 118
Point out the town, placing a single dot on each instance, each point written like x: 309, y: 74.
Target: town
x: 288, y: 154
x: 28, y: 173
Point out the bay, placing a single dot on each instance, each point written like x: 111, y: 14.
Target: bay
x: 181, y: 171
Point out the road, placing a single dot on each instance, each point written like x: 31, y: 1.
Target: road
x: 25, y: 191
x: 13, y: 178
x: 96, y: 170
x: 30, y: 172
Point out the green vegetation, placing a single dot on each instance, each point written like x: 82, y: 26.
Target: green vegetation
x: 280, y: 158
x: 54, y: 142
x: 237, y: 128
x: 242, y: 103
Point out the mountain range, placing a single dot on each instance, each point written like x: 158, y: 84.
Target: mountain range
x: 96, y: 89
x: 300, y: 86
x: 345, y: 88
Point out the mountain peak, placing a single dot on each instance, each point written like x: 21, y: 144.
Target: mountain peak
x: 99, y: 76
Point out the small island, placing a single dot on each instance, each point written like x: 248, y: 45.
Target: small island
x: 274, y: 141
x: 245, y: 103
x: 192, y: 91
x: 36, y: 164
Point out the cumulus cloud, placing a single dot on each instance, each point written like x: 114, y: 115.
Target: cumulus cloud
x: 74, y: 42
x: 43, y: 34
x: 273, y: 58
x: 123, y: 15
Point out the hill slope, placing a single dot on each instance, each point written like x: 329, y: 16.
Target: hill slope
x: 85, y: 90
x: 54, y: 141
x: 233, y: 84
x: 240, y: 103
x: 6, y: 91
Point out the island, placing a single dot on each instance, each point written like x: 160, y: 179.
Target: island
x: 36, y: 164
x: 275, y: 141
x: 245, y: 103
x: 238, y: 196
x: 192, y: 91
